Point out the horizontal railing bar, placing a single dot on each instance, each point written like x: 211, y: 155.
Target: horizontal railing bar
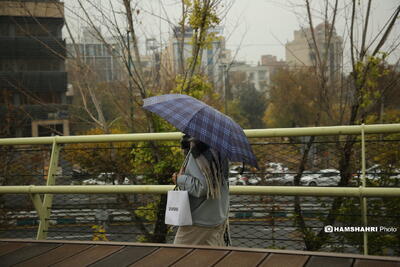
x: 86, y: 189
x: 234, y: 190
x: 327, y: 130
x: 171, y: 136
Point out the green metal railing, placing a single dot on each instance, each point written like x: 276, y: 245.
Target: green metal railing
x: 173, y: 136
x: 43, y: 205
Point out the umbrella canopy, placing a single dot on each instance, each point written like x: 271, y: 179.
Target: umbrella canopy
x: 205, y: 123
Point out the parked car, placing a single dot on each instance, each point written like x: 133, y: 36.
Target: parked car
x: 325, y: 177
x: 235, y: 180
x: 240, y: 176
x: 237, y: 169
x: 104, y: 178
x: 309, y: 178
x: 79, y: 174
x: 277, y: 174
x: 250, y: 178
x: 234, y: 171
x: 92, y: 181
x: 279, y: 179
x: 379, y: 176
x: 275, y: 167
x: 107, y: 177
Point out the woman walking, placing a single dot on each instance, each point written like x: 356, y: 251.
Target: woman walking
x: 205, y: 176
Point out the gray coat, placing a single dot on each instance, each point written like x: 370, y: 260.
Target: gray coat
x: 205, y: 212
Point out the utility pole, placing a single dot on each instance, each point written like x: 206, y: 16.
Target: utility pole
x: 132, y: 102
x: 224, y: 84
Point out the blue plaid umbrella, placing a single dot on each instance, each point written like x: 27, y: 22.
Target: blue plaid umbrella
x: 205, y: 123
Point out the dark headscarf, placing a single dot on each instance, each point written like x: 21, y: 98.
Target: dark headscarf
x: 210, y: 164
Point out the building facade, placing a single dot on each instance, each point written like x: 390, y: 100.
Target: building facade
x: 301, y: 52
x: 214, y: 58
x: 102, y: 58
x: 272, y: 62
x: 259, y: 76
x: 33, y: 81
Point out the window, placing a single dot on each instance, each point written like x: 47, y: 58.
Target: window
x: 37, y: 29
x: 5, y: 96
x: 37, y: 65
x: 53, y: 30
x: 38, y: 98
x: 49, y: 97
x: 210, y: 60
x: 98, y: 50
x: 90, y: 50
x: 7, y: 65
x: 90, y: 61
x: 251, y: 76
x: 17, y: 99
x: 329, y: 174
x: 312, y: 56
x: 51, y: 129
x: 4, y: 30
x: 262, y: 74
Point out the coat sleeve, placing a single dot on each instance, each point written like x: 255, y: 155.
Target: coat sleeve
x: 193, y: 180
x: 195, y: 186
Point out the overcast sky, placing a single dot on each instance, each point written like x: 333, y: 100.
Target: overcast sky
x: 255, y: 27
x: 266, y: 24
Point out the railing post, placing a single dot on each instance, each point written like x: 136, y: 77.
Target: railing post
x: 363, y: 200
x: 45, y: 209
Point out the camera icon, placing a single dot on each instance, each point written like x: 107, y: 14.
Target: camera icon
x: 328, y: 229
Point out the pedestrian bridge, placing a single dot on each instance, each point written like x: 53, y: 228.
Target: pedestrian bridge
x: 104, y: 254
x: 51, y: 208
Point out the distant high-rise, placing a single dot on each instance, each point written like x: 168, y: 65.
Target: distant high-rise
x: 33, y: 81
x: 272, y: 62
x: 301, y: 51
x: 214, y: 57
x: 103, y: 58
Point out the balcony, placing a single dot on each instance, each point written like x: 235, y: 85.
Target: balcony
x: 32, y: 47
x: 36, y: 112
x: 36, y: 81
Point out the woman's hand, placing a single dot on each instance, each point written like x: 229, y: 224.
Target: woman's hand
x: 174, y: 177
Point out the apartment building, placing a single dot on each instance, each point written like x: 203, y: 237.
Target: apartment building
x: 33, y: 81
x: 301, y: 51
x: 259, y: 76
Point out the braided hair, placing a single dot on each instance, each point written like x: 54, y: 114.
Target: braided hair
x: 210, y: 164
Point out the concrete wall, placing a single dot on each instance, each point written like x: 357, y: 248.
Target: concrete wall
x: 36, y: 9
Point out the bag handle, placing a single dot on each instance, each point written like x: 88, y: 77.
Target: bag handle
x: 183, y: 166
x: 185, y: 162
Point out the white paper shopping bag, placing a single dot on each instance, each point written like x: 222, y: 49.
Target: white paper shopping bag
x: 177, y: 211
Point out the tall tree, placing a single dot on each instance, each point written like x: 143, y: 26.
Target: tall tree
x: 251, y: 105
x: 140, y: 83
x: 293, y: 99
x: 356, y: 94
